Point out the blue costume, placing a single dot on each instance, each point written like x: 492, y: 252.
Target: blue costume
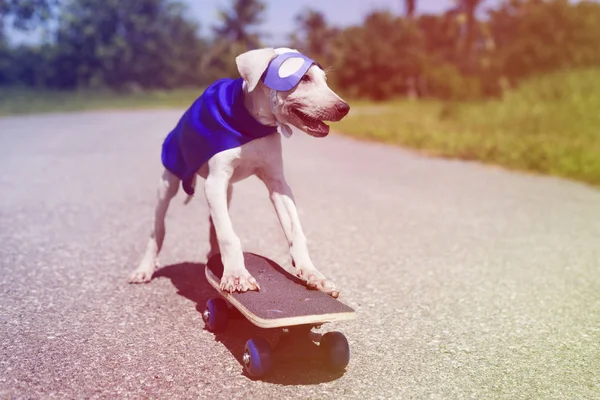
x: 215, y: 122
x: 218, y: 121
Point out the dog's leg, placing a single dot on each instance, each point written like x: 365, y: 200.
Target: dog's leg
x: 285, y: 207
x: 167, y: 189
x: 235, y: 275
x: 214, y: 243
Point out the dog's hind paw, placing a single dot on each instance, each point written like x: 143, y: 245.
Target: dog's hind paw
x: 144, y: 272
x: 141, y: 276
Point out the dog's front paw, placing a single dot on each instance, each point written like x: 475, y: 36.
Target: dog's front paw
x: 315, y: 280
x: 238, y: 282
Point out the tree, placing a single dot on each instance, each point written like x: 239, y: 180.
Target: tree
x: 118, y: 43
x: 442, y: 36
x: 25, y: 13
x: 469, y: 7
x: 22, y: 65
x: 375, y: 59
x: 441, y: 75
x: 535, y: 36
x: 236, y: 24
x: 410, y: 6
x: 314, y: 36
x: 411, y: 81
x: 236, y: 34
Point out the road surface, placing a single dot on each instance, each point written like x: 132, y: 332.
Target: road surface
x: 469, y: 281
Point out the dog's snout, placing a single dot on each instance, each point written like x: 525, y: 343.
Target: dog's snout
x: 343, y: 108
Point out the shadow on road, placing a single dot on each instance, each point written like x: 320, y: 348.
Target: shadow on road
x: 190, y: 282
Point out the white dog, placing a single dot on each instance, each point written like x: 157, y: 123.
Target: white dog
x: 278, y: 88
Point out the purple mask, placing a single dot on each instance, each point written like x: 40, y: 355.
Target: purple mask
x: 272, y: 79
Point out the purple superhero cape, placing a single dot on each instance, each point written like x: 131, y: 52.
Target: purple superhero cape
x: 215, y: 122
x: 218, y: 121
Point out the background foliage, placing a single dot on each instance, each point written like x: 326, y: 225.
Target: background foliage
x: 132, y: 45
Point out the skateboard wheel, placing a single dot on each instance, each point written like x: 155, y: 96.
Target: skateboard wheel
x: 215, y: 315
x: 257, y: 357
x: 336, y: 350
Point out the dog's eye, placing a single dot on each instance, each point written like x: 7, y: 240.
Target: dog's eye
x: 306, y: 78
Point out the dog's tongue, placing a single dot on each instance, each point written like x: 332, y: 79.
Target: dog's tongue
x: 322, y: 129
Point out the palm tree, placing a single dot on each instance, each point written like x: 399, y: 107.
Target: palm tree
x: 314, y: 35
x: 235, y: 34
x: 469, y: 7
x: 410, y: 7
x: 236, y: 23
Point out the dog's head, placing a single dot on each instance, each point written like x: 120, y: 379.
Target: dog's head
x: 306, y: 105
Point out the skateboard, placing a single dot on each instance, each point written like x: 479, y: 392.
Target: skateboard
x: 283, y: 303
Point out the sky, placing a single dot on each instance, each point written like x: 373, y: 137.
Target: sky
x: 279, y: 14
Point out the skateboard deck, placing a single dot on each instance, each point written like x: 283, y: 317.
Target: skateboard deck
x: 283, y: 299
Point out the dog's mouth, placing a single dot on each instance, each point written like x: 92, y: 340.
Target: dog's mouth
x: 313, y: 126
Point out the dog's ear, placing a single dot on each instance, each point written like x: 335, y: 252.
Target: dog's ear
x: 252, y: 64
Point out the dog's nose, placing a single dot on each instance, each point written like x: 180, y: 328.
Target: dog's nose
x: 342, y: 108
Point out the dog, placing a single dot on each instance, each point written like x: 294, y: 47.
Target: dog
x: 233, y: 131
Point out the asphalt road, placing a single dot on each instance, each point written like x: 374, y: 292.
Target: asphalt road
x: 469, y: 281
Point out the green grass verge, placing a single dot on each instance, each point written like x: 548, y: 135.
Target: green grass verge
x: 550, y: 125
x: 15, y: 101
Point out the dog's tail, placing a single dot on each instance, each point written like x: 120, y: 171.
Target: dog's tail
x: 189, y: 187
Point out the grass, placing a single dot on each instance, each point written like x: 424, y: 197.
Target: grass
x: 15, y: 101
x: 550, y: 125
